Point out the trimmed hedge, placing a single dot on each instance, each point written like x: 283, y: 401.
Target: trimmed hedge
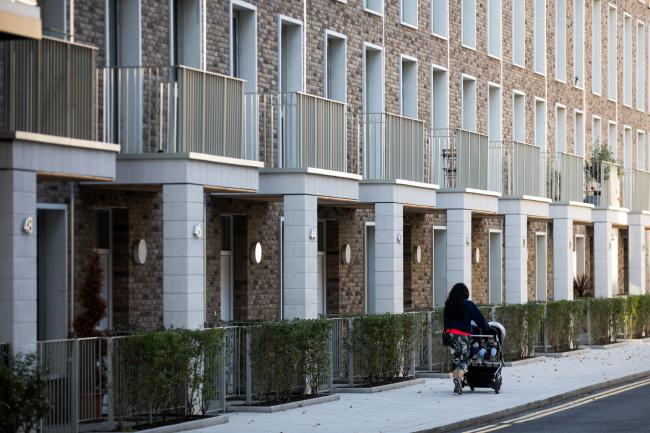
x: 383, y: 347
x: 523, y: 324
x: 607, y: 319
x: 564, y: 325
x: 289, y: 359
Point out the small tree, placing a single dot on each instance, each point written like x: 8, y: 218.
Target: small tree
x: 93, y: 306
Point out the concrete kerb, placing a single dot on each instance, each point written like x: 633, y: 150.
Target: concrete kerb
x: 380, y: 388
x: 524, y: 361
x: 284, y: 406
x: 607, y: 346
x: 183, y: 426
x: 483, y: 419
x: 432, y: 375
x: 576, y: 352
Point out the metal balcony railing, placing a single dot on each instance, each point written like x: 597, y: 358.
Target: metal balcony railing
x: 520, y: 165
x: 637, y: 190
x: 48, y: 86
x: 464, y: 159
x: 604, y: 184
x: 174, y: 109
x: 565, y: 178
x: 297, y: 130
x: 394, y: 147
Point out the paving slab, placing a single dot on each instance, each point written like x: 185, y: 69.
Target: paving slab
x: 432, y: 405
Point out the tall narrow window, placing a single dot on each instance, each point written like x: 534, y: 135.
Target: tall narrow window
x: 410, y: 12
x: 469, y: 104
x: 439, y: 99
x: 596, y: 133
x: 518, y: 32
x: 468, y: 14
x: 123, y: 28
x: 439, y: 17
x: 627, y: 148
x: 641, y: 151
x: 494, y: 27
x: 494, y: 113
x: 612, y: 47
x: 376, y: 6
x: 640, y: 66
x: 560, y: 40
x: 540, y: 124
x: 291, y: 52
x: 539, y: 36
x: 335, y: 67
x: 578, y: 43
x: 54, y: 15
x: 612, y: 138
x: 560, y: 129
x: 409, y: 87
x: 373, y: 84
x: 579, y: 133
x: 596, y: 47
x: 186, y: 40
x: 518, y: 117
x: 243, y: 46
x: 627, y: 60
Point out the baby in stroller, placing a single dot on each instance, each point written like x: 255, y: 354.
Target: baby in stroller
x: 486, y: 359
x: 487, y: 348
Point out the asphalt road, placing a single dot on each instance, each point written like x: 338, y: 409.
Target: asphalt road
x: 619, y: 410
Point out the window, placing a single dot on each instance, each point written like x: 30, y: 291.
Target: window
x: 186, y: 39
x: 123, y: 33
x: 560, y: 129
x: 640, y: 66
x: 376, y: 6
x: 439, y: 17
x: 291, y: 55
x: 335, y: 67
x: 373, y: 84
x: 612, y: 47
x: 579, y: 133
x: 409, y: 87
x: 494, y: 27
x: 518, y: 32
x: 578, y: 43
x: 627, y: 147
x: 539, y: 30
x: 612, y: 138
x: 596, y: 133
x: 596, y: 54
x: 641, y: 151
x: 494, y: 113
x: 518, y: 117
x: 560, y: 40
x: 540, y: 124
x: 243, y: 47
x: 469, y: 103
x: 410, y: 12
x: 627, y: 60
x: 468, y: 17
x: 439, y: 98
x: 53, y: 13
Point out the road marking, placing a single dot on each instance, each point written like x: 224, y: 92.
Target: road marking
x: 563, y: 407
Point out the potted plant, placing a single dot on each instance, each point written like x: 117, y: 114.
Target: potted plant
x: 602, y: 179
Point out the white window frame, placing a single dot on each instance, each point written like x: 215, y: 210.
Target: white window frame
x: 577, y: 113
x: 541, y: 29
x: 612, y: 51
x: 536, y: 139
x: 374, y: 47
x: 434, y: 3
x: 597, y: 54
x: 559, y: 106
x: 641, y: 67
x: 463, y: 14
x: 370, y: 10
x: 560, y: 77
x: 417, y: 14
x: 578, y: 33
x: 293, y: 21
x: 627, y: 45
x: 402, y: 58
x: 594, y: 119
x: 499, y: 29
x: 641, y: 133
x: 250, y: 87
x: 516, y: 22
x: 515, y: 94
x: 613, y: 147
x: 438, y: 69
x: 344, y: 38
x: 463, y: 78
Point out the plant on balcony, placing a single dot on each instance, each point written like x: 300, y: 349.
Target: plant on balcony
x: 583, y: 287
x: 92, y: 306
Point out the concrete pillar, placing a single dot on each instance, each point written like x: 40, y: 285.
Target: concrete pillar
x: 603, y: 255
x: 18, y: 290
x: 183, y: 256
x: 516, y: 259
x: 563, y: 259
x: 637, y: 259
x: 459, y: 248
x: 389, y: 258
x: 300, y: 297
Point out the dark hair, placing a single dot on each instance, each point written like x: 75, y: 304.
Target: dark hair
x: 455, y: 303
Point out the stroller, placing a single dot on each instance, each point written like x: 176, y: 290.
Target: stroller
x: 484, y: 368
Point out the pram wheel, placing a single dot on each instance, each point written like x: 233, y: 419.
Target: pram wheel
x: 471, y: 388
x: 497, y: 386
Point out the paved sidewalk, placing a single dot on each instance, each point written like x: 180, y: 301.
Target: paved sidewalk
x: 432, y: 404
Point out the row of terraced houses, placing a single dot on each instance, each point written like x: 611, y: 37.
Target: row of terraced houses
x: 261, y: 160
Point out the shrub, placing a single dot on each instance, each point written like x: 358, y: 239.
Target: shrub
x: 606, y: 319
x: 23, y: 395
x: 523, y: 323
x: 289, y: 358
x: 382, y: 347
x: 583, y: 287
x: 441, y: 357
x: 564, y: 324
x: 93, y: 306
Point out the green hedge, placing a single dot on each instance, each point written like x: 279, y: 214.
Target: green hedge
x: 564, y: 324
x: 167, y: 373
x: 637, y: 316
x: 289, y: 358
x: 607, y: 321
x: 382, y: 347
x: 523, y: 324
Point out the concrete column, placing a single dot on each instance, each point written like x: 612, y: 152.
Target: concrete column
x: 563, y: 259
x: 637, y: 259
x: 603, y: 255
x: 459, y: 248
x: 18, y: 290
x: 183, y: 256
x: 389, y: 258
x: 300, y: 293
x: 516, y: 259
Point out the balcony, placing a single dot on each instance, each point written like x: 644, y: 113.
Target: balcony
x: 520, y: 164
x: 298, y: 130
x: 464, y: 160
x: 174, y: 109
x: 394, y: 147
x: 21, y: 18
x: 604, y: 184
x: 565, y: 178
x: 48, y: 87
x: 637, y: 190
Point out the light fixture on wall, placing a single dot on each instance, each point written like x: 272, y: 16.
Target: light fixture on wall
x: 523, y: 242
x: 400, y: 237
x: 313, y: 234
x: 346, y: 254
x: 28, y: 225
x: 467, y: 240
x: 256, y: 253
x: 417, y: 254
x: 477, y: 255
x: 140, y: 252
x: 197, y: 232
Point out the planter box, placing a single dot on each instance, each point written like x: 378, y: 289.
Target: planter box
x: 380, y: 388
x: 283, y: 406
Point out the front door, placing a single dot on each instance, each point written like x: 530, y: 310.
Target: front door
x: 540, y: 267
x: 370, y: 269
x: 439, y: 267
x: 495, y: 269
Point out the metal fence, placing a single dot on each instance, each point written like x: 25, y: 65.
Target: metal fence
x: 174, y: 110
x: 48, y: 86
x: 604, y: 185
x: 298, y: 130
x: 394, y: 147
x: 636, y: 190
x: 565, y: 177
x: 520, y: 165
